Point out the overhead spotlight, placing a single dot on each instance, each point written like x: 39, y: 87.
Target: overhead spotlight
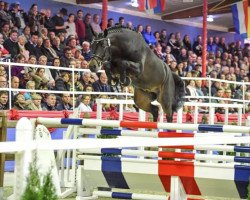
x: 134, y: 3
x: 210, y: 18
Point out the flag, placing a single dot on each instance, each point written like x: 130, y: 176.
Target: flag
x: 142, y: 5
x: 161, y: 6
x: 151, y: 5
x: 240, y: 12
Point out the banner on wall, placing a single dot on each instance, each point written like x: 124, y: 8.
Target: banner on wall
x: 241, y: 12
x: 152, y: 6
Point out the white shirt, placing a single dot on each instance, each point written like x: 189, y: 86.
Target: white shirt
x: 71, y: 30
x: 84, y: 108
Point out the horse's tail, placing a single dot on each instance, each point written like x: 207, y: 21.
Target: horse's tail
x: 179, y: 92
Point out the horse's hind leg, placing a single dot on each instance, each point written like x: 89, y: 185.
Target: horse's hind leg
x: 165, y: 98
x: 143, y: 101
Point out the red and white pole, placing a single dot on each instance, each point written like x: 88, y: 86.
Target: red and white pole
x: 104, y: 14
x: 204, y: 38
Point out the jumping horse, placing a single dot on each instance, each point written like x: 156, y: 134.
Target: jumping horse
x: 123, y: 53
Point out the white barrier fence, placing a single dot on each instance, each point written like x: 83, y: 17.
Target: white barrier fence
x: 210, y: 107
x: 208, y: 98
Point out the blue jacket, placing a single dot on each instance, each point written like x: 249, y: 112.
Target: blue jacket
x: 99, y: 87
x: 149, y: 38
x: 211, y: 47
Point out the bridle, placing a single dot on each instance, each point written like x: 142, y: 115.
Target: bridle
x: 106, y: 55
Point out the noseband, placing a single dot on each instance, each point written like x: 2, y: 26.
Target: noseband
x: 106, y: 56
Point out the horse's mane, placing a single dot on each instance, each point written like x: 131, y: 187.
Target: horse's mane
x: 116, y: 29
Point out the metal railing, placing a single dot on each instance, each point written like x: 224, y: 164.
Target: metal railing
x: 125, y: 94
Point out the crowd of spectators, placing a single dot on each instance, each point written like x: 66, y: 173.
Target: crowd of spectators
x: 39, y: 37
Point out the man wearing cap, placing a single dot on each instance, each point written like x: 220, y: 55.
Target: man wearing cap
x: 59, y: 21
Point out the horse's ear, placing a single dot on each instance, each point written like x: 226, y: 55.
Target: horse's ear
x: 105, y: 32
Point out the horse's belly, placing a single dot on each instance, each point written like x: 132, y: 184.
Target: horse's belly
x: 148, y: 87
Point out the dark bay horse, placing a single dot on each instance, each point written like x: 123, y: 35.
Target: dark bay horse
x: 125, y: 54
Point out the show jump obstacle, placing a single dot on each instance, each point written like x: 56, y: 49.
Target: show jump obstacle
x: 201, y: 160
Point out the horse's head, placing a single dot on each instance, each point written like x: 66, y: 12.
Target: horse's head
x: 100, y: 47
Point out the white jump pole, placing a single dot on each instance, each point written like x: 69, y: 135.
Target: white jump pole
x: 13, y: 147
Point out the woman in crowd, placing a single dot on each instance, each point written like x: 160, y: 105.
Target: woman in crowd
x: 85, y: 105
x: 70, y: 26
x: 56, y: 73
x: 35, y: 19
x: 26, y: 33
x: 19, y: 102
x: 36, y: 103
x: 21, y: 44
x: 40, y: 79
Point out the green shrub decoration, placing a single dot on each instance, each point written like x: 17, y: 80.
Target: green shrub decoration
x: 38, y: 188
x: 48, y: 190
x: 32, y: 190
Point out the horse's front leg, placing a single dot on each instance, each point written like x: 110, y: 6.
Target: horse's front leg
x: 133, y: 67
x: 127, y: 67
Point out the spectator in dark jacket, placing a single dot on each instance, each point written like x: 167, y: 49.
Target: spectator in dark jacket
x: 197, y: 47
x: 4, y: 100
x: 50, y: 103
x: 66, y: 58
x: 5, y: 15
x: 19, y: 17
x: 102, y: 84
x: 59, y: 21
x: 65, y: 103
x: 89, y: 33
x: 49, y: 23
x: 31, y: 45
x: 11, y: 44
x: 63, y: 83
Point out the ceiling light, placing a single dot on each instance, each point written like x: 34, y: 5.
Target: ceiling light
x: 210, y: 18
x: 134, y: 3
